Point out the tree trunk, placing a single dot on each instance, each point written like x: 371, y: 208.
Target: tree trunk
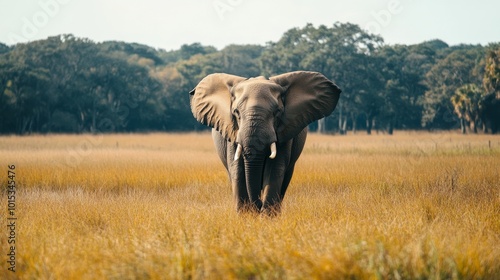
x: 369, y: 124
x: 462, y: 125
x: 94, y: 118
x: 344, y: 126
x: 390, y: 130
x: 322, y: 125
x: 49, y: 121
x: 340, y: 120
x: 25, y: 125
x: 473, y: 127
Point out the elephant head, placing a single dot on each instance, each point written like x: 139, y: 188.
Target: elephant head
x: 277, y: 108
x: 259, y: 113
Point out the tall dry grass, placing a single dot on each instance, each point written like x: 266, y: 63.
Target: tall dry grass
x: 412, y: 205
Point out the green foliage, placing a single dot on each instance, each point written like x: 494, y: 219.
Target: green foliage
x: 343, y: 53
x: 70, y: 84
x: 490, y: 104
x: 185, y: 52
x: 467, y: 105
x: 4, y: 48
x: 93, y: 90
x: 460, y: 67
x: 491, y: 78
x: 402, y: 69
x: 132, y: 51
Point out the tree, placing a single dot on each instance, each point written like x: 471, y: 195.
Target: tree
x: 403, y: 69
x: 466, y: 103
x: 490, y: 109
x: 462, y: 66
x: 185, y: 52
x: 70, y: 84
x: 67, y: 84
x: 4, y: 48
x: 241, y: 60
x: 490, y: 113
x: 342, y: 53
x: 25, y: 95
x: 491, y: 80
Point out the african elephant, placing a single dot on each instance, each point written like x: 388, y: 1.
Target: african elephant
x: 260, y: 127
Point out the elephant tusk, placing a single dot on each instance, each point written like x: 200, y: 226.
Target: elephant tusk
x: 273, y: 150
x: 238, y: 152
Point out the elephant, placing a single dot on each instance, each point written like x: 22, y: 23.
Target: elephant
x: 259, y: 127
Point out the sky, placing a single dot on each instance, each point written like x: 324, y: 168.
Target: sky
x: 170, y: 24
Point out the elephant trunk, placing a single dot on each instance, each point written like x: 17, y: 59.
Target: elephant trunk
x: 254, y: 169
x: 256, y: 142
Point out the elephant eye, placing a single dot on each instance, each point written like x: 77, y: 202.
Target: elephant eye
x: 236, y: 113
x: 277, y: 110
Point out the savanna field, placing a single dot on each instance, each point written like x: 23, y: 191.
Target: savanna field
x: 159, y: 206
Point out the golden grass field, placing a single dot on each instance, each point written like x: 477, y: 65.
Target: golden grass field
x: 159, y: 206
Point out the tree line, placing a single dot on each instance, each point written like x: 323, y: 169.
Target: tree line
x: 66, y: 84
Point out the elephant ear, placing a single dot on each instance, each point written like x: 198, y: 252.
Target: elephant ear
x: 211, y: 103
x: 307, y: 96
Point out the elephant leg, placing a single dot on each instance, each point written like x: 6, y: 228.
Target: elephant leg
x: 274, y: 174
x: 271, y: 195
x: 286, y: 180
x: 296, y: 149
x: 235, y: 170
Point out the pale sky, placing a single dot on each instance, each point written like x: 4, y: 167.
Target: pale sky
x: 169, y: 24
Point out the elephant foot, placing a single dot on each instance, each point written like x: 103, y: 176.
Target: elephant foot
x: 248, y: 207
x: 253, y: 208
x: 271, y: 210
